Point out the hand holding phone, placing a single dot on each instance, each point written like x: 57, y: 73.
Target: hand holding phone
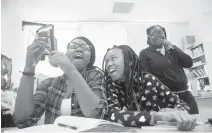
x: 46, y: 33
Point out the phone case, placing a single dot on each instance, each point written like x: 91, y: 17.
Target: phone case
x: 47, y: 32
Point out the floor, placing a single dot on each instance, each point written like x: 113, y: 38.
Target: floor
x: 205, y: 109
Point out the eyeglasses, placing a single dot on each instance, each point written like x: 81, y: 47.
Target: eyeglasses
x: 84, y: 47
x: 161, y: 35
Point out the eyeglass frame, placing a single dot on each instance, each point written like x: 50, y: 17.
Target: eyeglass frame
x: 79, y: 45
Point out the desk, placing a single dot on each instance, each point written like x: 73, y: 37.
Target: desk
x: 157, y: 128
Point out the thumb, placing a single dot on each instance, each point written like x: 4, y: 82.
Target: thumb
x: 53, y: 53
x: 38, y: 50
x: 52, y: 62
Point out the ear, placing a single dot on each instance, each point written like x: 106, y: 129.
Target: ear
x: 148, y: 40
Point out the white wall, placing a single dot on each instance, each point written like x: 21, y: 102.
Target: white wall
x: 11, y: 34
x: 137, y: 38
x: 134, y: 34
x: 104, y: 35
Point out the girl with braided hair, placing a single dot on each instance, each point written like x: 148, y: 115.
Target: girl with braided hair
x: 135, y: 97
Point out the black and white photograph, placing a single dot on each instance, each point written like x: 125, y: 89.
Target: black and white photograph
x: 106, y: 66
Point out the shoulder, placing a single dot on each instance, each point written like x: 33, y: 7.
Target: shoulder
x: 95, y: 71
x: 148, y: 77
x: 45, y: 84
x: 144, y: 51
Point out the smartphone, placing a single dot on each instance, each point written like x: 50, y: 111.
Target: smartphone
x: 47, y: 32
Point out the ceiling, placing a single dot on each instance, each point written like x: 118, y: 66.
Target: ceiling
x: 102, y: 10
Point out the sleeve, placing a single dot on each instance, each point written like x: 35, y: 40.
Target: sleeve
x: 124, y: 116
x: 184, y: 59
x: 97, y: 84
x: 144, y: 61
x: 156, y: 93
x: 40, y: 101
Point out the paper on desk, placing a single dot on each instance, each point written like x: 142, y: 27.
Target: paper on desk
x: 43, y: 128
x: 82, y: 123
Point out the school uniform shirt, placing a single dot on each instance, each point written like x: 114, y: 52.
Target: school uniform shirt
x: 51, y: 92
x: 151, y: 95
x: 167, y: 68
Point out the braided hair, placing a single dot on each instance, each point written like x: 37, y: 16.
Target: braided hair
x: 132, y: 70
x: 148, y: 31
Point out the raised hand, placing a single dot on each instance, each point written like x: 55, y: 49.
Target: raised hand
x: 34, y: 52
x: 59, y: 59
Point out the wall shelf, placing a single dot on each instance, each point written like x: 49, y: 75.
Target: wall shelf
x: 194, y: 46
x: 198, y: 56
x: 198, y: 73
x: 202, y: 77
x: 197, y: 65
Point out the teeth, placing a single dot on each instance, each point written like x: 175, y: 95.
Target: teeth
x: 112, y: 70
x: 78, y: 56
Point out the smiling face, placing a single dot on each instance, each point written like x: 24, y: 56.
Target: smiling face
x: 114, y: 64
x: 79, y: 54
x: 156, y: 37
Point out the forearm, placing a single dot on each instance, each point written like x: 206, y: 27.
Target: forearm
x: 185, y: 60
x: 87, y: 99
x: 131, y: 118
x: 24, y: 105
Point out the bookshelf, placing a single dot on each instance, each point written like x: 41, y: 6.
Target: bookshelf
x: 199, y: 71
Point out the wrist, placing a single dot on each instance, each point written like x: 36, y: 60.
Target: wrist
x: 29, y: 69
x: 158, y: 116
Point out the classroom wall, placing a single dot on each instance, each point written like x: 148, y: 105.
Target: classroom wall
x: 12, y: 37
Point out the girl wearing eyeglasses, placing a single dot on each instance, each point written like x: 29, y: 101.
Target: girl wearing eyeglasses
x: 166, y: 62
x: 78, y: 92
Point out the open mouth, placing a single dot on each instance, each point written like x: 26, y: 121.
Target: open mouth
x: 111, y: 70
x: 78, y: 56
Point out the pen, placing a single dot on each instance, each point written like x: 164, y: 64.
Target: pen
x: 67, y: 126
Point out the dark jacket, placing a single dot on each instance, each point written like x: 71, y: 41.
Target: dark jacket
x: 168, y: 68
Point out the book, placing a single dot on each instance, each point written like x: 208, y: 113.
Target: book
x: 195, y: 73
x: 202, y: 71
x: 82, y: 124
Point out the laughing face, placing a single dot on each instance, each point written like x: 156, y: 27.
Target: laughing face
x: 79, y: 54
x: 114, y: 62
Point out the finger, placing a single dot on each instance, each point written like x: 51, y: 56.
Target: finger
x: 185, y: 121
x: 53, y: 52
x: 45, y: 52
x: 194, y: 120
x: 179, y: 121
x: 37, y: 51
x: 190, y: 122
x: 34, y: 45
x: 44, y: 43
x: 51, y: 61
x: 40, y: 39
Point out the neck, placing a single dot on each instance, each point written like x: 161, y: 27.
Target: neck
x: 82, y: 71
x: 155, y: 47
